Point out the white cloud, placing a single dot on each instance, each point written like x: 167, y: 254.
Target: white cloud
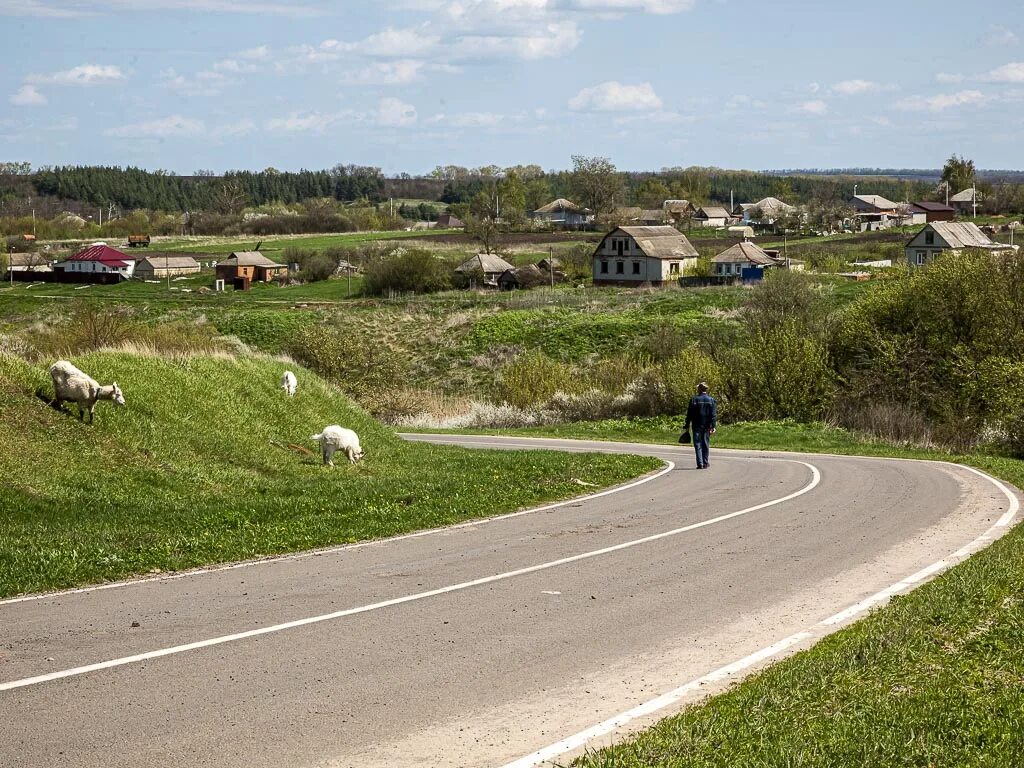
x: 646, y: 6
x: 616, y: 97
x: 302, y: 122
x: 1008, y: 73
x: 84, y: 74
x: 814, y: 87
x: 75, y: 8
x: 539, y: 42
x: 240, y: 128
x: 390, y: 43
x: 205, y: 83
x: 999, y: 36
x: 468, y: 120
x: 857, y: 87
x: 27, y: 96
x: 395, y: 113
x: 947, y: 78
x: 174, y: 126
x: 943, y: 101
x: 386, y: 73
x: 814, y: 107
x: 259, y: 53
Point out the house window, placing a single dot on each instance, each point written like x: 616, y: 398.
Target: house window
x: 920, y: 258
x: 673, y: 268
x: 929, y: 238
x: 604, y: 267
x: 636, y: 267
x: 620, y: 246
x: 620, y: 267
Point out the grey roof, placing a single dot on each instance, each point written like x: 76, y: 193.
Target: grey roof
x: 676, y: 206
x: 714, y: 212
x: 963, y: 235
x: 877, y: 201
x: 934, y: 207
x: 28, y: 260
x: 248, y: 259
x: 661, y: 242
x: 561, y: 204
x: 966, y: 196
x: 771, y: 205
x: 169, y: 262
x: 486, y: 263
x: 746, y: 252
x: 652, y: 214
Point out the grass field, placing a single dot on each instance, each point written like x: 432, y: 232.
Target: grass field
x: 935, y: 678
x: 196, y: 469
x: 274, y: 244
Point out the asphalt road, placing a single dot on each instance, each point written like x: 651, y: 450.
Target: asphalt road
x: 475, y: 645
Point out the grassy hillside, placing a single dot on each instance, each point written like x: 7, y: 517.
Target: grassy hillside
x: 188, y: 472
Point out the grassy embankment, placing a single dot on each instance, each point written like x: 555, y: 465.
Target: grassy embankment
x: 193, y: 472
x: 935, y: 678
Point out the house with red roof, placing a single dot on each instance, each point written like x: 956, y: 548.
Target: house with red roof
x: 98, y: 259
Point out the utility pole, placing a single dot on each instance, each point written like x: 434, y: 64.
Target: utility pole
x: 974, y: 198
x: 167, y: 272
x: 551, y: 259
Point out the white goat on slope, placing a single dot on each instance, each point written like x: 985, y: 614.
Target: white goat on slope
x: 288, y: 383
x: 73, y: 385
x: 335, y: 438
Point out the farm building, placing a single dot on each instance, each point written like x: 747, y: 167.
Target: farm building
x: 564, y: 214
x: 166, y: 266
x: 245, y: 267
x: 28, y: 262
x: 449, y: 221
x: 948, y: 237
x: 637, y: 255
x: 678, y: 210
x: 765, y: 211
x: 98, y: 259
x: 964, y: 200
x: 529, y: 276
x: 712, y: 216
x: 490, y: 265
x: 933, y: 212
x: 745, y: 255
x: 873, y: 204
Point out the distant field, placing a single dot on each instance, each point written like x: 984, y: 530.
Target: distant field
x: 272, y: 244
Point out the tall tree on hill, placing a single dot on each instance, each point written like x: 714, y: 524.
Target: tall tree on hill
x: 958, y: 173
x: 596, y: 183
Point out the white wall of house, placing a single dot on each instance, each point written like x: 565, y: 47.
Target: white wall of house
x: 620, y: 260
x: 719, y: 221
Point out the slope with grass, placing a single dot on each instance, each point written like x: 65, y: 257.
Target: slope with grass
x: 197, y: 469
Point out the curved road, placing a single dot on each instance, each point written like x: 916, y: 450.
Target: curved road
x: 498, y: 642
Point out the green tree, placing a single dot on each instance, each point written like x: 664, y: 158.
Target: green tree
x: 596, y: 183
x: 958, y: 173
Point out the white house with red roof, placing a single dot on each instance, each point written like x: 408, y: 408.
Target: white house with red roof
x: 99, y: 258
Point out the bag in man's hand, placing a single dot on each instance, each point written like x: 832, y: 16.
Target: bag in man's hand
x: 685, y: 437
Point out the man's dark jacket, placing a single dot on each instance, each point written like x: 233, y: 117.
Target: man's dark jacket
x: 702, y: 413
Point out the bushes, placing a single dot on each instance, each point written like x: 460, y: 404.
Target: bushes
x: 314, y: 266
x: 412, y: 270
x: 533, y: 379
x: 359, y: 366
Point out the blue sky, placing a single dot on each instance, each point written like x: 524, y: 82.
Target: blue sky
x: 410, y: 84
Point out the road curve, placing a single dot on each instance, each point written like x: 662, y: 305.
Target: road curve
x: 483, y: 643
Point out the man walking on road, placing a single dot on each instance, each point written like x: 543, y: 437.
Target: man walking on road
x: 702, y: 417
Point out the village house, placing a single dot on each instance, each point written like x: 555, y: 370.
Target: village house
x: 564, y: 214
x: 678, y: 211
x: 529, y: 276
x: 449, y: 221
x: 949, y: 237
x: 744, y: 256
x: 963, y: 201
x: 28, y: 262
x: 490, y: 265
x: 932, y: 212
x: 244, y: 267
x: 874, y: 212
x: 96, y: 260
x: 637, y: 255
x: 153, y: 267
x: 764, y: 212
x: 873, y: 204
x: 712, y: 216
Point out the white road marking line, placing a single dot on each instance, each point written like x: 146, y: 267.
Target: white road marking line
x: 815, y: 480
x: 343, y: 548
x: 822, y: 628
x: 549, y: 592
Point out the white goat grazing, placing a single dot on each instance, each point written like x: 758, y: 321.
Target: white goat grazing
x: 72, y: 385
x: 288, y: 383
x: 335, y: 438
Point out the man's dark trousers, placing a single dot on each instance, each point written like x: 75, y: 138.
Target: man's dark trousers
x: 702, y: 445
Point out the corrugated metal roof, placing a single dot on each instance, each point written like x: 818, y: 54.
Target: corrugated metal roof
x: 170, y: 262
x: 660, y: 242
x: 877, y: 201
x: 103, y: 253
x: 561, y: 204
x: 248, y: 259
x: 963, y: 235
x: 966, y: 196
x: 746, y: 252
x: 934, y: 207
x: 485, y: 262
x: 713, y: 212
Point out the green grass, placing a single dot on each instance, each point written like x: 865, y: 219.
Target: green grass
x: 935, y: 678
x: 188, y: 474
x: 273, y: 245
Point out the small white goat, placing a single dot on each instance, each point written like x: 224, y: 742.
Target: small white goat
x: 335, y: 438
x: 72, y: 385
x: 288, y: 383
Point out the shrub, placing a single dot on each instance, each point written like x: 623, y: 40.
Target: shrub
x: 406, y: 271
x: 358, y: 365
x: 533, y: 379
x: 666, y: 388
